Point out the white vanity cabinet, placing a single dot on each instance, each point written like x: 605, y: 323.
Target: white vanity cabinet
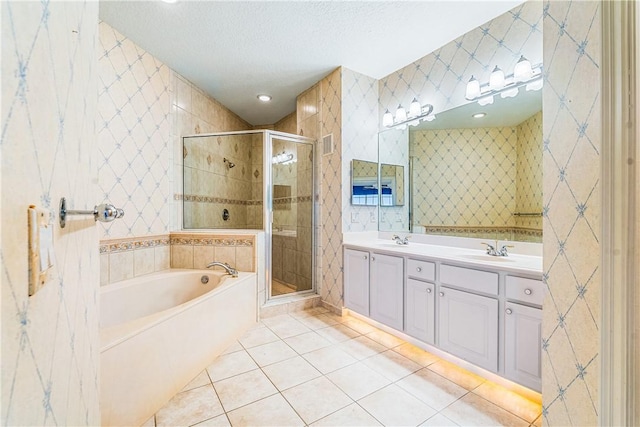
x: 387, y: 290
x: 356, y: 279
x: 468, y: 327
x: 420, y: 310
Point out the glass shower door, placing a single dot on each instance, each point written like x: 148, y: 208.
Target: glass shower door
x: 292, y: 226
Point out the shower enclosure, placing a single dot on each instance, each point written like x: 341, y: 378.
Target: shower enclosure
x: 256, y: 180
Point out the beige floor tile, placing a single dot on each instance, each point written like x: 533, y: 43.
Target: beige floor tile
x: 151, y: 422
x: 316, y: 399
x: 231, y: 364
x: 286, y: 326
x: 219, y: 421
x: 434, y: 390
x: 361, y: 347
x: 201, y: 379
x: 291, y: 372
x: 309, y: 312
x: 338, y: 333
x: 329, y: 359
x: 537, y: 422
x: 385, y: 339
x: 473, y: 410
x: 258, y: 336
x: 318, y: 322
x: 454, y: 373
x: 336, y: 317
x: 236, y: 346
x: 307, y: 342
x: 273, y: 352
x: 358, y: 325
x: 507, y: 399
x: 351, y: 416
x: 393, y: 406
x: 243, y: 389
x: 358, y: 380
x: 271, y: 411
x: 190, y: 407
x: 438, y: 420
x: 416, y: 354
x: 391, y: 365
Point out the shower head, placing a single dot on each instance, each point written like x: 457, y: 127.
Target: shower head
x: 229, y: 163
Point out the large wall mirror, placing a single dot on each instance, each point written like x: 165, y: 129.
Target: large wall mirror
x: 476, y: 171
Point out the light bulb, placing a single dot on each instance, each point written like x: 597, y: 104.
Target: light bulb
x: 415, y: 109
x: 401, y: 114
x: 509, y: 93
x: 430, y: 118
x: 473, y: 89
x: 496, y: 79
x: 387, y: 119
x: 486, y: 100
x: 535, y: 85
x: 522, y: 71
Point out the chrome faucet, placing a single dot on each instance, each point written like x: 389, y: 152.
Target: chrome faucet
x: 230, y: 270
x: 493, y: 251
x: 400, y: 241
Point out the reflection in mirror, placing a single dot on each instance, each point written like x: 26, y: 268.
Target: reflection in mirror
x: 364, y: 183
x: 479, y: 177
x: 391, y: 185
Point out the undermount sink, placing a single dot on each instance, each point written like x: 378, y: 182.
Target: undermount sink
x: 392, y: 245
x: 488, y: 258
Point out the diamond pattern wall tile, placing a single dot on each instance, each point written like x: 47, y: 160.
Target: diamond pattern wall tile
x: 50, y: 341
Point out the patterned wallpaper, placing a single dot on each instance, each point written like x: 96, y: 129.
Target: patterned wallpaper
x: 360, y: 141
x: 133, y: 136
x: 50, y: 341
x: 572, y: 202
x: 393, y: 149
x: 331, y: 289
x: 529, y: 172
x: 440, y: 78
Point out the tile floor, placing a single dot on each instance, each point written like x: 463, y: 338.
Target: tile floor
x: 315, y: 368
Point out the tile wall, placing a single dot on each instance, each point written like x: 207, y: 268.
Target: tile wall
x: 288, y: 124
x: 198, y: 250
x: 50, y: 341
x: 360, y: 141
x: 126, y: 258
x: 572, y: 204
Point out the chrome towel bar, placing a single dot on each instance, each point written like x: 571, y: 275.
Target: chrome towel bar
x: 103, y: 213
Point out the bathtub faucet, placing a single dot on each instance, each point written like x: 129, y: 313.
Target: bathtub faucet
x: 230, y: 270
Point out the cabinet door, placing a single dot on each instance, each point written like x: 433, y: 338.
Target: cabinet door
x: 468, y: 327
x: 387, y: 273
x: 420, y: 310
x: 522, y: 345
x: 356, y: 281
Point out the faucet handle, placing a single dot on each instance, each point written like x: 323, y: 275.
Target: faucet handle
x: 488, y: 245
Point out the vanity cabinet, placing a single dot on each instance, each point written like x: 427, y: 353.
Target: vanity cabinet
x: 420, y: 307
x: 468, y: 327
x: 387, y: 290
x: 522, y: 342
x: 356, y: 279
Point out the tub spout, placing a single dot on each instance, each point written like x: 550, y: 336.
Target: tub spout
x: 230, y: 270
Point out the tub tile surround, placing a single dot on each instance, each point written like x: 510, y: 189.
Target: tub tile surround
x: 378, y: 381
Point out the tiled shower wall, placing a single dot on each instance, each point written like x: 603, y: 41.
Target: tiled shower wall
x: 360, y: 141
x: 50, y: 341
x: 572, y: 205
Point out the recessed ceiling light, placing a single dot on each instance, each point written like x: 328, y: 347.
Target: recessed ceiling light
x: 479, y: 115
x: 264, y: 98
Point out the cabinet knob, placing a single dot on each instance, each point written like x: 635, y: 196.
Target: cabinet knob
x: 418, y: 269
x: 508, y: 311
x: 428, y: 290
x: 373, y: 258
x: 527, y: 291
x: 441, y: 294
x: 365, y: 257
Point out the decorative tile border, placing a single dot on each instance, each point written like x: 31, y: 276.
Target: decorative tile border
x: 215, y: 241
x: 208, y: 199
x: 284, y: 200
x: 454, y: 230
x: 129, y: 244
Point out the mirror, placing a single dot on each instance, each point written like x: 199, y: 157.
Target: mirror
x: 391, y: 185
x: 364, y: 183
x: 476, y: 177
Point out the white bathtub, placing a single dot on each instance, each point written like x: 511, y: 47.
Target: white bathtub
x: 160, y: 330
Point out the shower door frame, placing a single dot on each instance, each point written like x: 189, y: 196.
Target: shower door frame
x: 268, y: 211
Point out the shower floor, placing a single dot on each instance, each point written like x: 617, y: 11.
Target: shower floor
x: 281, y: 288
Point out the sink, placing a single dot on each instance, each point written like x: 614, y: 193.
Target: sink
x: 391, y: 245
x: 487, y: 258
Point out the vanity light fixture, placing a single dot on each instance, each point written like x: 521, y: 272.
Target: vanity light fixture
x: 283, y: 158
x: 264, y: 98
x: 479, y: 115
x: 524, y: 74
x: 417, y: 113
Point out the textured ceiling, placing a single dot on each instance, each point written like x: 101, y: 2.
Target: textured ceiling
x: 236, y: 50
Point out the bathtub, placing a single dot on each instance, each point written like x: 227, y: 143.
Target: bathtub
x: 160, y: 330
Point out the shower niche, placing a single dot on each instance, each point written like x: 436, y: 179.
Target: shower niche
x: 262, y: 180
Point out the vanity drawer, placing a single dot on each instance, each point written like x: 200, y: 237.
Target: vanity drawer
x: 467, y: 278
x: 424, y: 270
x: 526, y: 290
